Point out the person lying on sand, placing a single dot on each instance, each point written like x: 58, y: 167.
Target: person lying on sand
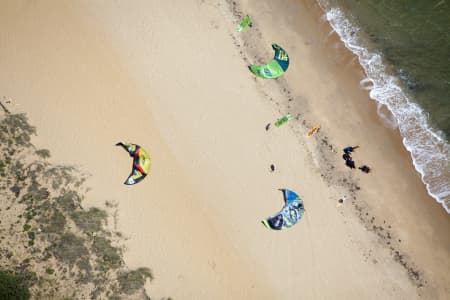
x: 272, y: 168
x: 346, y: 156
x: 267, y: 126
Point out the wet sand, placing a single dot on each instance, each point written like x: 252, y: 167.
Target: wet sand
x: 172, y: 77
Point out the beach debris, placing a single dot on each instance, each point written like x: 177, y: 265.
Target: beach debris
x: 341, y: 201
x: 141, y: 162
x: 314, y: 130
x: 283, y: 120
x: 289, y: 215
x: 247, y: 21
x: 267, y: 126
x: 276, y: 67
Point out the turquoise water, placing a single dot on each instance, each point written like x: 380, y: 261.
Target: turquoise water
x: 404, y: 47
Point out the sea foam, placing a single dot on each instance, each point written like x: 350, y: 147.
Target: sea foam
x: 429, y: 150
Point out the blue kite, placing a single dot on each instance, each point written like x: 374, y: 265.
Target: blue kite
x: 291, y: 213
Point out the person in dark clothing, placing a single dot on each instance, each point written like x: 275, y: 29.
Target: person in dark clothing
x: 350, y: 149
x: 350, y: 163
x: 365, y: 169
x: 346, y: 156
x: 272, y: 168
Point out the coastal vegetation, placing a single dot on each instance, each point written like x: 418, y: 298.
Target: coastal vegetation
x: 13, y: 286
x: 51, y: 246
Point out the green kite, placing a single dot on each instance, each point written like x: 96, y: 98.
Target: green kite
x: 276, y: 67
x: 247, y: 21
x: 283, y: 120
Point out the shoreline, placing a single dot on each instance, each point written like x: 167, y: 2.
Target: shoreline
x: 340, y: 58
x: 427, y: 139
x: 195, y: 219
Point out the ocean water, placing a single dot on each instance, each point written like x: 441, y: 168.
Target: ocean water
x: 404, y: 48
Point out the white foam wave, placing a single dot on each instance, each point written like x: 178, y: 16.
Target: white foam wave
x: 366, y: 84
x: 429, y: 151
x: 386, y: 116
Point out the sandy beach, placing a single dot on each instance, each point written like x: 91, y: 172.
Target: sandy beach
x: 172, y: 77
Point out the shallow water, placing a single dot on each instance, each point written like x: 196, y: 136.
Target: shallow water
x: 404, y: 48
x: 414, y: 37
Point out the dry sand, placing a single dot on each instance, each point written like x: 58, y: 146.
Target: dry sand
x: 172, y: 77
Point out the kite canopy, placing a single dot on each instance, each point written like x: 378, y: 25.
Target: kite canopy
x: 283, y: 120
x: 291, y: 213
x: 276, y: 67
x: 244, y: 23
x: 141, y: 162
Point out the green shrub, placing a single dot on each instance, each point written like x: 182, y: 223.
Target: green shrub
x: 60, y: 176
x: 56, y: 224
x: 89, y: 220
x: 84, y: 264
x: 36, y: 193
x: 49, y: 271
x: 69, y: 248
x: 13, y: 287
x: 31, y: 236
x: 69, y: 200
x: 43, y: 153
x: 130, y: 282
x: 110, y: 255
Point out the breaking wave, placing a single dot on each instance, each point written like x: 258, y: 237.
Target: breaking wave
x: 429, y: 150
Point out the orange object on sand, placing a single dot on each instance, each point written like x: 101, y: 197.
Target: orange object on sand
x: 314, y: 130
